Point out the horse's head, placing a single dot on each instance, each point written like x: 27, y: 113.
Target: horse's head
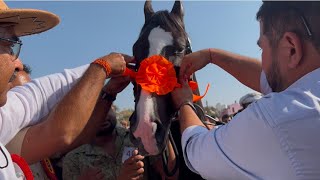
x: 163, y: 33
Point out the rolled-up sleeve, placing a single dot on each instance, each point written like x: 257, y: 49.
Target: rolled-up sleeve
x: 230, y: 151
x: 28, y: 104
x: 190, y: 139
x: 203, y: 155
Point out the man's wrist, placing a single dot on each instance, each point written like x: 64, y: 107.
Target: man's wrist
x: 187, y: 103
x: 105, y: 65
x: 99, y: 69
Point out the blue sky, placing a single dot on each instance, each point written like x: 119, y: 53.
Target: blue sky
x: 89, y: 30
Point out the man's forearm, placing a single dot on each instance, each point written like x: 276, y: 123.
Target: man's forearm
x: 99, y: 114
x: 188, y: 118
x: 245, y: 69
x: 71, y: 115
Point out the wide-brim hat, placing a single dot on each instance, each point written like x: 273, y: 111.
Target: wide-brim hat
x: 27, y: 21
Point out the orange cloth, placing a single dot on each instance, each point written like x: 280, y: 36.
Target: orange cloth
x: 156, y: 74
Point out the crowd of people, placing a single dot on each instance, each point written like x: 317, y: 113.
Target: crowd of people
x: 70, y: 114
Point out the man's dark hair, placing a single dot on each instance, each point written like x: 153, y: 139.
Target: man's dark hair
x: 299, y: 17
x: 27, y: 69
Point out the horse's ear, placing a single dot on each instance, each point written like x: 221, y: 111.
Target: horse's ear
x: 148, y: 11
x: 177, y: 9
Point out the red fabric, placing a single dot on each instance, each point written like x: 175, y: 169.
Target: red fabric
x: 23, y: 166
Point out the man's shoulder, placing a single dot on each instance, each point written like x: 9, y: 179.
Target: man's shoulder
x: 289, y: 105
x: 78, y: 151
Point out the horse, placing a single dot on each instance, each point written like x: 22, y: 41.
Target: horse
x: 163, y: 33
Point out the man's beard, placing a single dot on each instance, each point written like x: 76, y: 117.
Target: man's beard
x: 274, y: 77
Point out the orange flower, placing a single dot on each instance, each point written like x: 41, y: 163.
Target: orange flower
x: 156, y: 74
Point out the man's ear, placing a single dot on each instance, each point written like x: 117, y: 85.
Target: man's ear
x: 294, y: 48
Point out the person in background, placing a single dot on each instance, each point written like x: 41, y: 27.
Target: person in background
x: 249, y: 98
x: 226, y: 118
x: 108, y: 156
x: 21, y: 77
x: 125, y: 124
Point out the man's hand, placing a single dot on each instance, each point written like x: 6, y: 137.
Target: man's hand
x: 92, y: 174
x: 193, y: 62
x: 132, y: 168
x: 117, y: 63
x: 116, y: 85
x: 181, y: 95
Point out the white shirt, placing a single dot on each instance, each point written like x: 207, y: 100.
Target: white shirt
x: 277, y: 137
x: 27, y: 104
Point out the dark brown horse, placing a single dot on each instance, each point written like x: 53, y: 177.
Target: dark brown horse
x: 163, y: 33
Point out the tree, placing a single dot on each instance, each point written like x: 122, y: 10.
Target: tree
x: 124, y: 115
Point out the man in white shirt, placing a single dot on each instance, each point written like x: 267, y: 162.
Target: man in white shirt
x: 70, y: 97
x: 275, y: 137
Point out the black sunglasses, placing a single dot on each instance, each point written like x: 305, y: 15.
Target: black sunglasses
x: 14, y: 45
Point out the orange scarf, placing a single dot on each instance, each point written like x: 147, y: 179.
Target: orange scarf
x: 157, y: 74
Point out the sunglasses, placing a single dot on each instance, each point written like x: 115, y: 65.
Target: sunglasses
x: 14, y: 47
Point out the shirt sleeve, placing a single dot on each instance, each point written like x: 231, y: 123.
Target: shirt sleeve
x: 27, y: 104
x: 230, y: 151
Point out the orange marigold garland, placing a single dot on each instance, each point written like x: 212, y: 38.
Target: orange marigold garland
x: 156, y: 74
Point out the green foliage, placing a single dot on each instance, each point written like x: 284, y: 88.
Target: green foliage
x: 124, y: 115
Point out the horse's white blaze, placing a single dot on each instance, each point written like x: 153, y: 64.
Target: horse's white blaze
x: 146, y: 125
x: 146, y: 128
x: 158, y: 39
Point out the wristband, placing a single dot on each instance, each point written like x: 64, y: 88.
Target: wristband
x: 104, y: 64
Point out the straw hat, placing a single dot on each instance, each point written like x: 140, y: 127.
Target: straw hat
x: 27, y: 21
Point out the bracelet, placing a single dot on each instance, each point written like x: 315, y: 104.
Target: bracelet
x: 104, y: 64
x: 107, y: 97
x: 189, y: 104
